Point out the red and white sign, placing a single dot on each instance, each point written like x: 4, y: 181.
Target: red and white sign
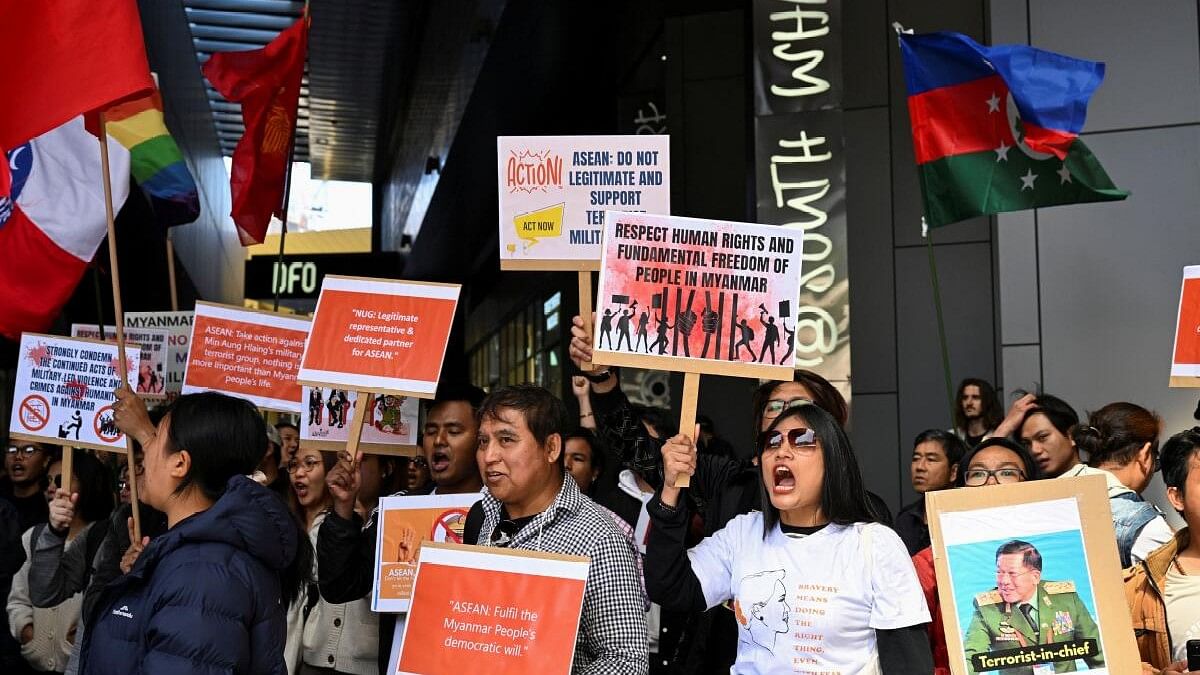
x: 1185, y: 361
x: 516, y: 611
x: 379, y: 335
x: 64, y: 391
x: 700, y: 296
x: 246, y: 353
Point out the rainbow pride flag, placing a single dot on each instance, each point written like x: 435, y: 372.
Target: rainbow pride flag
x: 155, y: 160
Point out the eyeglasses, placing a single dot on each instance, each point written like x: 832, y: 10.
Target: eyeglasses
x: 419, y: 462
x: 1012, y: 576
x: 798, y: 438
x: 308, y: 465
x: 777, y: 405
x: 123, y: 485
x: 27, y: 450
x: 977, y: 477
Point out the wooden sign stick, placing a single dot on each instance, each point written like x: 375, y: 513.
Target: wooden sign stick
x: 119, y: 320
x: 356, y: 425
x: 585, y: 309
x: 687, y: 415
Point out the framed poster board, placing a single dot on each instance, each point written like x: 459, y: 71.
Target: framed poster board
x: 1028, y: 577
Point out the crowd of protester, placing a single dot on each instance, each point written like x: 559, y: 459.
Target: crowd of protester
x: 251, y: 552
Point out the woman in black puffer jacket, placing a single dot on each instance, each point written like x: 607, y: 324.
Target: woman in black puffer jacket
x: 208, y: 595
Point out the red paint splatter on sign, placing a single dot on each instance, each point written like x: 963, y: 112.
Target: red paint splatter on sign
x: 77, y: 390
x: 37, y: 354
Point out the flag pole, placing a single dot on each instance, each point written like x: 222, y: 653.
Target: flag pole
x: 118, y: 321
x: 99, y: 299
x: 941, y: 323
x: 171, y: 273
x: 287, y: 192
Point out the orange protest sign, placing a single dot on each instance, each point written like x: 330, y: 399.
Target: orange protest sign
x: 1185, y: 360
x: 405, y: 524
x: 378, y: 335
x: 516, y: 611
x: 246, y: 353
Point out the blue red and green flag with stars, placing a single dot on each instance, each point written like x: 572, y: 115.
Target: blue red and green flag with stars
x: 997, y: 128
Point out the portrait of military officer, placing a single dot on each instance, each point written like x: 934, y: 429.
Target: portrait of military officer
x: 1024, y: 611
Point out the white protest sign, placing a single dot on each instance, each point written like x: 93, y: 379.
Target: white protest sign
x: 65, y: 390
x: 699, y: 296
x: 151, y: 382
x: 554, y: 191
x: 390, y: 426
x: 179, y: 332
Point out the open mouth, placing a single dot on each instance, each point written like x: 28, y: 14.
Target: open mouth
x: 784, y: 480
x: 492, y: 476
x: 301, y: 490
x: 441, y: 461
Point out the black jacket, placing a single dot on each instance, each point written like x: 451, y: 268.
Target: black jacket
x: 205, y: 596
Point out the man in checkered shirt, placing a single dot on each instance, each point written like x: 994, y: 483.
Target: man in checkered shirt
x: 532, y: 503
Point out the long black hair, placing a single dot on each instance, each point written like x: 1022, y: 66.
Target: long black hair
x: 225, y: 436
x: 843, y: 497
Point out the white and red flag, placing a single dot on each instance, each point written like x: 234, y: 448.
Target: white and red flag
x: 52, y: 222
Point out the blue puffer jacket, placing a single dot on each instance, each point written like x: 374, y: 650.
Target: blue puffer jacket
x: 202, y: 598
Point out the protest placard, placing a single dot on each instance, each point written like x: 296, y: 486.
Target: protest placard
x: 554, y: 191
x: 1028, y: 576
x: 247, y: 353
x: 379, y: 335
x: 390, y: 427
x: 518, y: 611
x: 65, y: 390
x: 1185, y: 360
x: 693, y: 295
x: 179, y: 332
x: 151, y: 380
x: 699, y: 296
x: 405, y: 524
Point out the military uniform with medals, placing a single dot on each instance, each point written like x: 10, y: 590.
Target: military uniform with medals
x: 1055, y: 614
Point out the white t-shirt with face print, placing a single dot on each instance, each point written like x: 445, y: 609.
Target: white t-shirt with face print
x: 810, y: 604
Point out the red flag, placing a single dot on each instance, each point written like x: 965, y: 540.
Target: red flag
x: 5, y: 175
x: 63, y: 58
x: 267, y: 83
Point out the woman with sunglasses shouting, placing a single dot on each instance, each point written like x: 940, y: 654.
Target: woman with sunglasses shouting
x: 812, y: 579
